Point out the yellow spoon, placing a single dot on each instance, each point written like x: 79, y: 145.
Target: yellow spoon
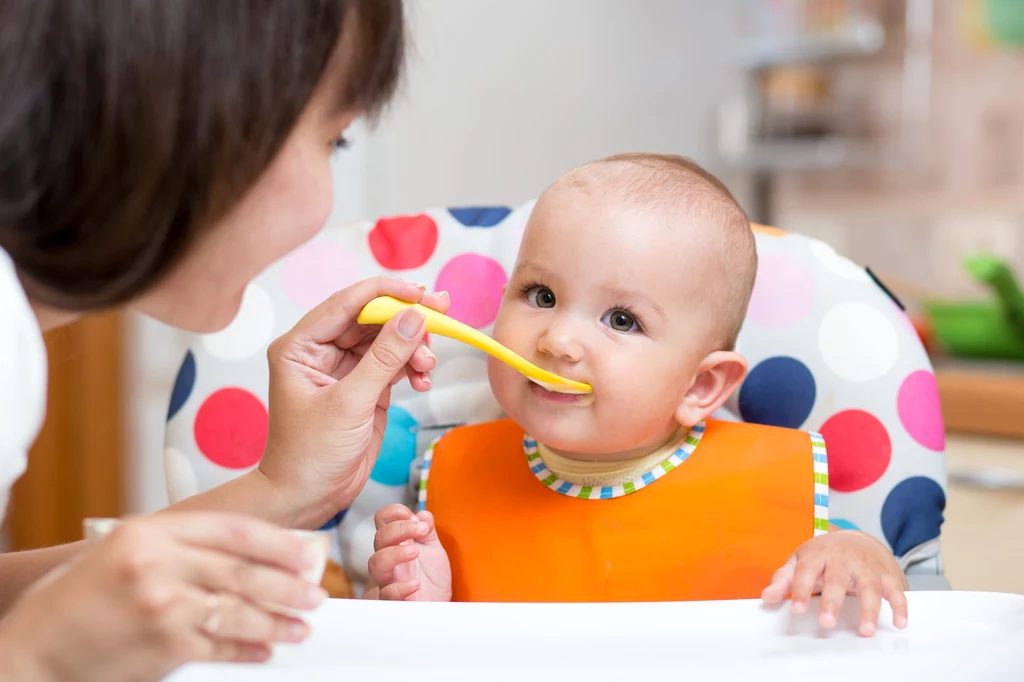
x: 380, y: 310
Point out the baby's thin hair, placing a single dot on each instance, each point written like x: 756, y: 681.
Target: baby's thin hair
x: 675, y: 183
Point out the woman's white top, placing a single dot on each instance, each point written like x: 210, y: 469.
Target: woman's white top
x: 22, y: 379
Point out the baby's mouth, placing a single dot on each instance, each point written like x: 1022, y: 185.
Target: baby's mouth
x: 556, y: 398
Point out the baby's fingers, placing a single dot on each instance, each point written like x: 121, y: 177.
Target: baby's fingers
x: 398, y: 532
x: 893, y: 593
x: 869, y: 590
x: 400, y: 591
x: 806, y: 578
x: 780, y: 584
x: 431, y: 534
x: 382, y: 564
x: 833, y: 592
x: 390, y: 514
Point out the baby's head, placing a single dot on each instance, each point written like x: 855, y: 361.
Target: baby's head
x: 634, y: 276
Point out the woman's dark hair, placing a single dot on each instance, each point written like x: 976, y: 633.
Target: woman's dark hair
x: 127, y: 127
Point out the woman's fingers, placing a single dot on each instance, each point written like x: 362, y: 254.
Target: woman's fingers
x: 223, y: 651
x: 384, y: 359
x: 333, y: 317
x: 242, y: 536
x: 226, y: 617
x: 222, y: 573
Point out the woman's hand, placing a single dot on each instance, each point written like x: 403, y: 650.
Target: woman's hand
x: 159, y: 592
x: 330, y: 389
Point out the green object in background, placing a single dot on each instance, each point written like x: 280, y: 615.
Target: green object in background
x: 993, y: 329
x: 1004, y: 21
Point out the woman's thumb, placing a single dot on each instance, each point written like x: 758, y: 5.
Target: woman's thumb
x: 386, y: 357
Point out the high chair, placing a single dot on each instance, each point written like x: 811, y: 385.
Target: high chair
x: 830, y: 350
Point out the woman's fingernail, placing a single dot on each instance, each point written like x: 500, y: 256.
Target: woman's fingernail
x: 416, y: 284
x: 315, y: 595
x: 410, y: 323
x: 298, y: 631
x: 443, y: 294
x: 426, y: 382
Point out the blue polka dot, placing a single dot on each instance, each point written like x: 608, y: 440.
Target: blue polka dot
x: 779, y: 391
x: 844, y: 524
x: 335, y: 520
x: 480, y: 216
x: 398, y: 449
x: 912, y: 513
x: 183, y: 385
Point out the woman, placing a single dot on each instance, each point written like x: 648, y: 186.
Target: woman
x: 159, y: 155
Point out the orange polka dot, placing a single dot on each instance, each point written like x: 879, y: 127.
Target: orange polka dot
x: 769, y: 231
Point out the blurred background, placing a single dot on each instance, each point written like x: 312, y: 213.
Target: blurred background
x: 891, y: 129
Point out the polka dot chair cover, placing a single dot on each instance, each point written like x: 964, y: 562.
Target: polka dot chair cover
x: 829, y: 351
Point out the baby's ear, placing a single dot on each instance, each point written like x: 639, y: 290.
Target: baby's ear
x: 718, y: 376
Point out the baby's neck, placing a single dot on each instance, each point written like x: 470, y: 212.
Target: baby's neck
x: 591, y: 470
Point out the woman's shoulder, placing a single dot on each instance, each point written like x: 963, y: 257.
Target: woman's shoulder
x: 22, y: 376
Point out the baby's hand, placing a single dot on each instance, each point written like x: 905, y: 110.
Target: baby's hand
x: 409, y: 563
x: 840, y: 563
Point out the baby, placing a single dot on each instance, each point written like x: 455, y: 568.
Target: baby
x: 634, y: 276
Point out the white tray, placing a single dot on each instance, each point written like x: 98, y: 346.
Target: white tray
x: 959, y: 636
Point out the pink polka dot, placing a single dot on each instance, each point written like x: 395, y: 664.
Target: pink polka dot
x: 859, y: 450
x: 920, y: 411
x: 316, y: 270
x: 404, y: 242
x: 474, y: 283
x: 783, y: 292
x: 231, y: 428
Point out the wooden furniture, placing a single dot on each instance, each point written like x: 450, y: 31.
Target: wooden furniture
x: 982, y: 398
x: 982, y: 545
x: 75, y: 468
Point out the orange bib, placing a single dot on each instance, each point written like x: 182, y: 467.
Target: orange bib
x: 713, y: 522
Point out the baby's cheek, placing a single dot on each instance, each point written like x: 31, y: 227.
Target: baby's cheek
x: 502, y: 379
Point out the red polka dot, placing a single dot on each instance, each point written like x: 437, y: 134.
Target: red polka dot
x: 231, y: 428
x: 405, y: 242
x: 859, y: 450
x: 474, y: 283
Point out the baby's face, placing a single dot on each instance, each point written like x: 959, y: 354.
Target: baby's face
x: 611, y: 296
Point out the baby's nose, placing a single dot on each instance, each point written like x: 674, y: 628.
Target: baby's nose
x: 561, y: 344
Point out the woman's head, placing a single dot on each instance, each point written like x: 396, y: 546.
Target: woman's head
x: 166, y: 152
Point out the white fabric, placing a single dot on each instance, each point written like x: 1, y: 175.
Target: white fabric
x: 22, y: 379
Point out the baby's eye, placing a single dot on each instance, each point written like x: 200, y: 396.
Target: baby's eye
x: 542, y: 297
x: 621, y: 321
